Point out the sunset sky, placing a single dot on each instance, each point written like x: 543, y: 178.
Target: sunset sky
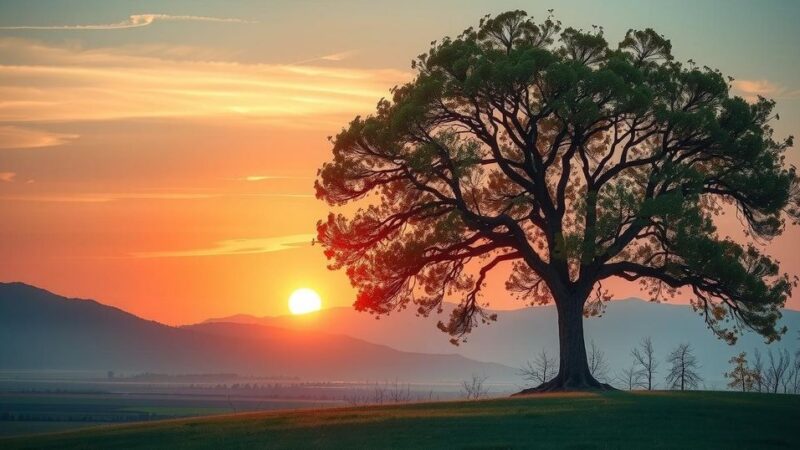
x: 160, y: 156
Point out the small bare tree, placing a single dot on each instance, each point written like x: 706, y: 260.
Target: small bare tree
x: 399, y: 393
x: 352, y: 398
x: 644, y: 357
x: 474, y: 389
x: 776, y: 371
x: 788, y: 381
x: 630, y: 377
x: 598, y: 366
x: 795, y: 386
x: 379, y: 394
x: 758, y: 371
x: 540, y: 370
x: 683, y: 368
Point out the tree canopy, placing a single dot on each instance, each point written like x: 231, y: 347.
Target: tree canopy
x: 526, y: 143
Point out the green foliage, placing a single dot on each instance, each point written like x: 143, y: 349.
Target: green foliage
x: 572, y: 159
x: 741, y: 376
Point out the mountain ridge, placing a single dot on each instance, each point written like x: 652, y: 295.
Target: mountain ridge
x: 41, y: 330
x: 515, y: 338
x: 518, y: 335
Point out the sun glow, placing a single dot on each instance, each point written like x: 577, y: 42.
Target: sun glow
x: 303, y: 301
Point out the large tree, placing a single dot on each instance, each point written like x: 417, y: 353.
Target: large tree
x: 542, y: 149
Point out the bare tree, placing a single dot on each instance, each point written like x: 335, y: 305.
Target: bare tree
x: 644, y: 357
x: 474, y: 389
x: 776, y: 372
x: 379, y: 394
x: 631, y: 377
x: 540, y: 370
x: 399, y: 393
x: 741, y: 377
x: 598, y: 366
x: 758, y: 371
x: 356, y: 397
x: 795, y: 385
x: 788, y: 381
x: 796, y: 373
x: 683, y: 368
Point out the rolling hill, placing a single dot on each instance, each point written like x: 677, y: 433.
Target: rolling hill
x: 519, y: 334
x: 43, y: 331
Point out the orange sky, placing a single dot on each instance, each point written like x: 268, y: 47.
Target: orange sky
x: 165, y: 164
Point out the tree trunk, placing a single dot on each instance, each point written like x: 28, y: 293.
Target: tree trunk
x: 573, y: 367
x: 683, y: 378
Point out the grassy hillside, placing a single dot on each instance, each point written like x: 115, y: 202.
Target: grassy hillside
x: 616, y: 420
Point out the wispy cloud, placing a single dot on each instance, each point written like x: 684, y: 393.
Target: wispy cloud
x: 41, y: 83
x: 752, y: 89
x: 261, y: 178
x: 133, y: 21
x: 104, y: 197
x: 271, y: 177
x: 21, y: 137
x: 237, y: 247
x: 339, y: 56
x: 7, y: 177
x: 122, y: 196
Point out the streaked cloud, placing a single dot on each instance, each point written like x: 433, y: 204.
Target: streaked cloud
x: 121, y: 196
x: 133, y: 21
x: 751, y: 89
x: 262, y: 177
x: 104, y: 197
x: 22, y: 137
x: 339, y: 56
x: 40, y: 82
x: 237, y: 247
x: 7, y: 177
x: 272, y: 177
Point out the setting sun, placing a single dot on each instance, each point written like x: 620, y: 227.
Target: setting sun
x: 304, y: 301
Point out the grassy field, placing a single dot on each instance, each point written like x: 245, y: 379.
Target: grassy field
x: 615, y: 420
x: 28, y: 413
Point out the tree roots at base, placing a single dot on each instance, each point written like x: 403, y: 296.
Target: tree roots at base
x: 557, y: 384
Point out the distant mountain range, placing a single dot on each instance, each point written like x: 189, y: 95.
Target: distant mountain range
x: 41, y: 330
x: 519, y: 334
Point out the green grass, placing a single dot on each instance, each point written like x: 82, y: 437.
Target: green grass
x: 616, y: 420
x: 31, y: 412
